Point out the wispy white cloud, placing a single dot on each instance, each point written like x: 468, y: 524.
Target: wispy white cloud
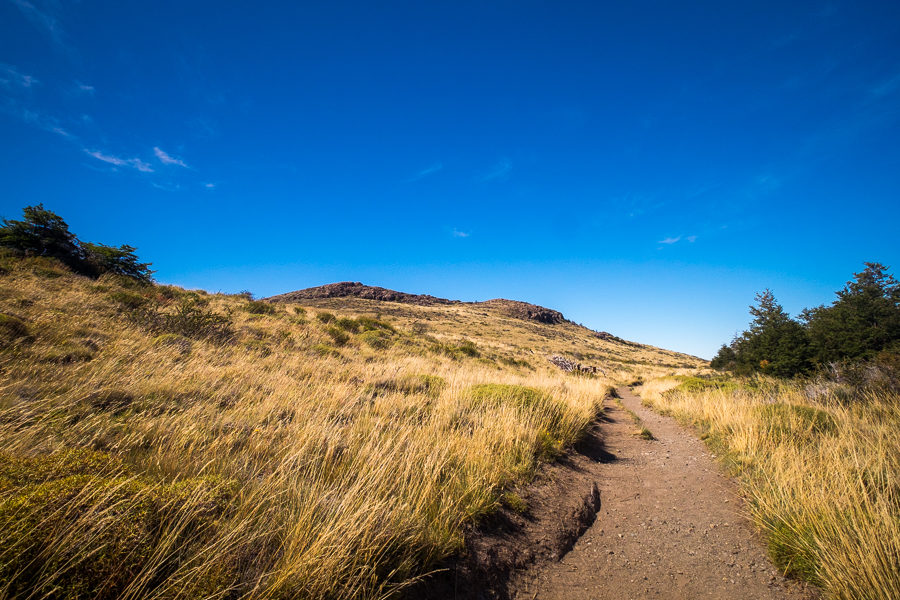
x: 166, y: 159
x: 674, y: 240
x: 885, y: 87
x: 34, y: 118
x: 43, y: 17
x: 10, y: 77
x: 767, y: 182
x: 500, y: 171
x: 426, y: 172
x: 84, y: 88
x: 460, y: 234
x: 209, y: 186
x: 134, y: 163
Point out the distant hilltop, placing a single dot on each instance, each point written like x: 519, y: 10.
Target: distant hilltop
x: 350, y: 289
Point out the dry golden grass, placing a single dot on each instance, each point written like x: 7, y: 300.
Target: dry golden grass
x: 300, y: 459
x: 822, y: 475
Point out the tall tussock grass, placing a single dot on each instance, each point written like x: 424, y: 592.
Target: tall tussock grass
x: 205, y: 447
x: 821, y: 472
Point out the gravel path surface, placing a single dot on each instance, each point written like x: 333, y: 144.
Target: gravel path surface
x: 671, y: 525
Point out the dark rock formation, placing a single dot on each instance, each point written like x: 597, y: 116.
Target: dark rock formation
x: 524, y: 310
x: 347, y: 289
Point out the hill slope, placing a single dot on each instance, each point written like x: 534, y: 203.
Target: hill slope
x: 159, y: 442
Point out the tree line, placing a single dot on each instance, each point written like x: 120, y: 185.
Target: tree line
x: 861, y: 324
x: 42, y: 232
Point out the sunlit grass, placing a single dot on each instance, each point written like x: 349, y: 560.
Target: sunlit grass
x: 267, y: 454
x: 822, y: 475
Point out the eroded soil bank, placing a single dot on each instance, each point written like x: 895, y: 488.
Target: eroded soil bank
x: 667, y: 523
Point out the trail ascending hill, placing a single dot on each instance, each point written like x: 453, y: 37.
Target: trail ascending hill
x: 670, y: 526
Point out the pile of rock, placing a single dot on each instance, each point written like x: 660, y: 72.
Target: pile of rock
x: 570, y: 366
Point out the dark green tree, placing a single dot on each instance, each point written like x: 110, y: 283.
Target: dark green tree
x: 121, y: 261
x: 863, y: 321
x: 774, y: 343
x: 42, y: 233
x: 725, y: 359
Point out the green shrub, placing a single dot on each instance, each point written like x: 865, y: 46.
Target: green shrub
x: 173, y: 340
x: 258, y: 346
x: 468, y: 348
x: 699, y: 384
x: 326, y: 350
x: 129, y: 300
x: 111, y: 400
x: 521, y: 397
x: 76, y: 524
x: 70, y: 352
x: 463, y: 348
x: 258, y: 307
x: 13, y: 329
x: 496, y: 393
x: 347, y: 324
x: 429, y: 385
x: 299, y: 311
x: 325, y: 317
x: 189, y: 319
x: 514, y: 502
x: 377, y: 339
x: 373, y: 324
x: 337, y: 335
x: 796, y: 422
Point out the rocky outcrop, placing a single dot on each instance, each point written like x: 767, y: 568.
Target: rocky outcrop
x: 350, y: 289
x: 526, y: 311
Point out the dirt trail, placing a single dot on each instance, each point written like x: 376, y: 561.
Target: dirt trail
x: 670, y: 525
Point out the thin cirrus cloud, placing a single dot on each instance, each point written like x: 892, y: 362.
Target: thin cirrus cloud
x: 166, y: 159
x: 438, y: 166
x: 674, y: 240
x: 12, y: 77
x: 460, y: 234
x: 42, y: 17
x: 499, y: 172
x: 134, y: 163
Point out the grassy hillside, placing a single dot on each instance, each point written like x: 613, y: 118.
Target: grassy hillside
x: 157, y: 442
x: 819, y: 462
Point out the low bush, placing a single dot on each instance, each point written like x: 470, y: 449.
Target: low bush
x: 796, y: 422
x: 189, y: 319
x: 338, y: 336
x: 128, y: 299
x: 13, y: 329
x: 378, y: 340
x: 77, y: 524
x: 70, y: 351
x: 258, y: 307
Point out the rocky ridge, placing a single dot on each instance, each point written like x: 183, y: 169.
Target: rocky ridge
x: 351, y: 289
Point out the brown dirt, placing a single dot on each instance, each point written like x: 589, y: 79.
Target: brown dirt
x: 672, y: 525
x: 667, y: 523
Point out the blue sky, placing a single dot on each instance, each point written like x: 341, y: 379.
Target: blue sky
x: 644, y: 167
